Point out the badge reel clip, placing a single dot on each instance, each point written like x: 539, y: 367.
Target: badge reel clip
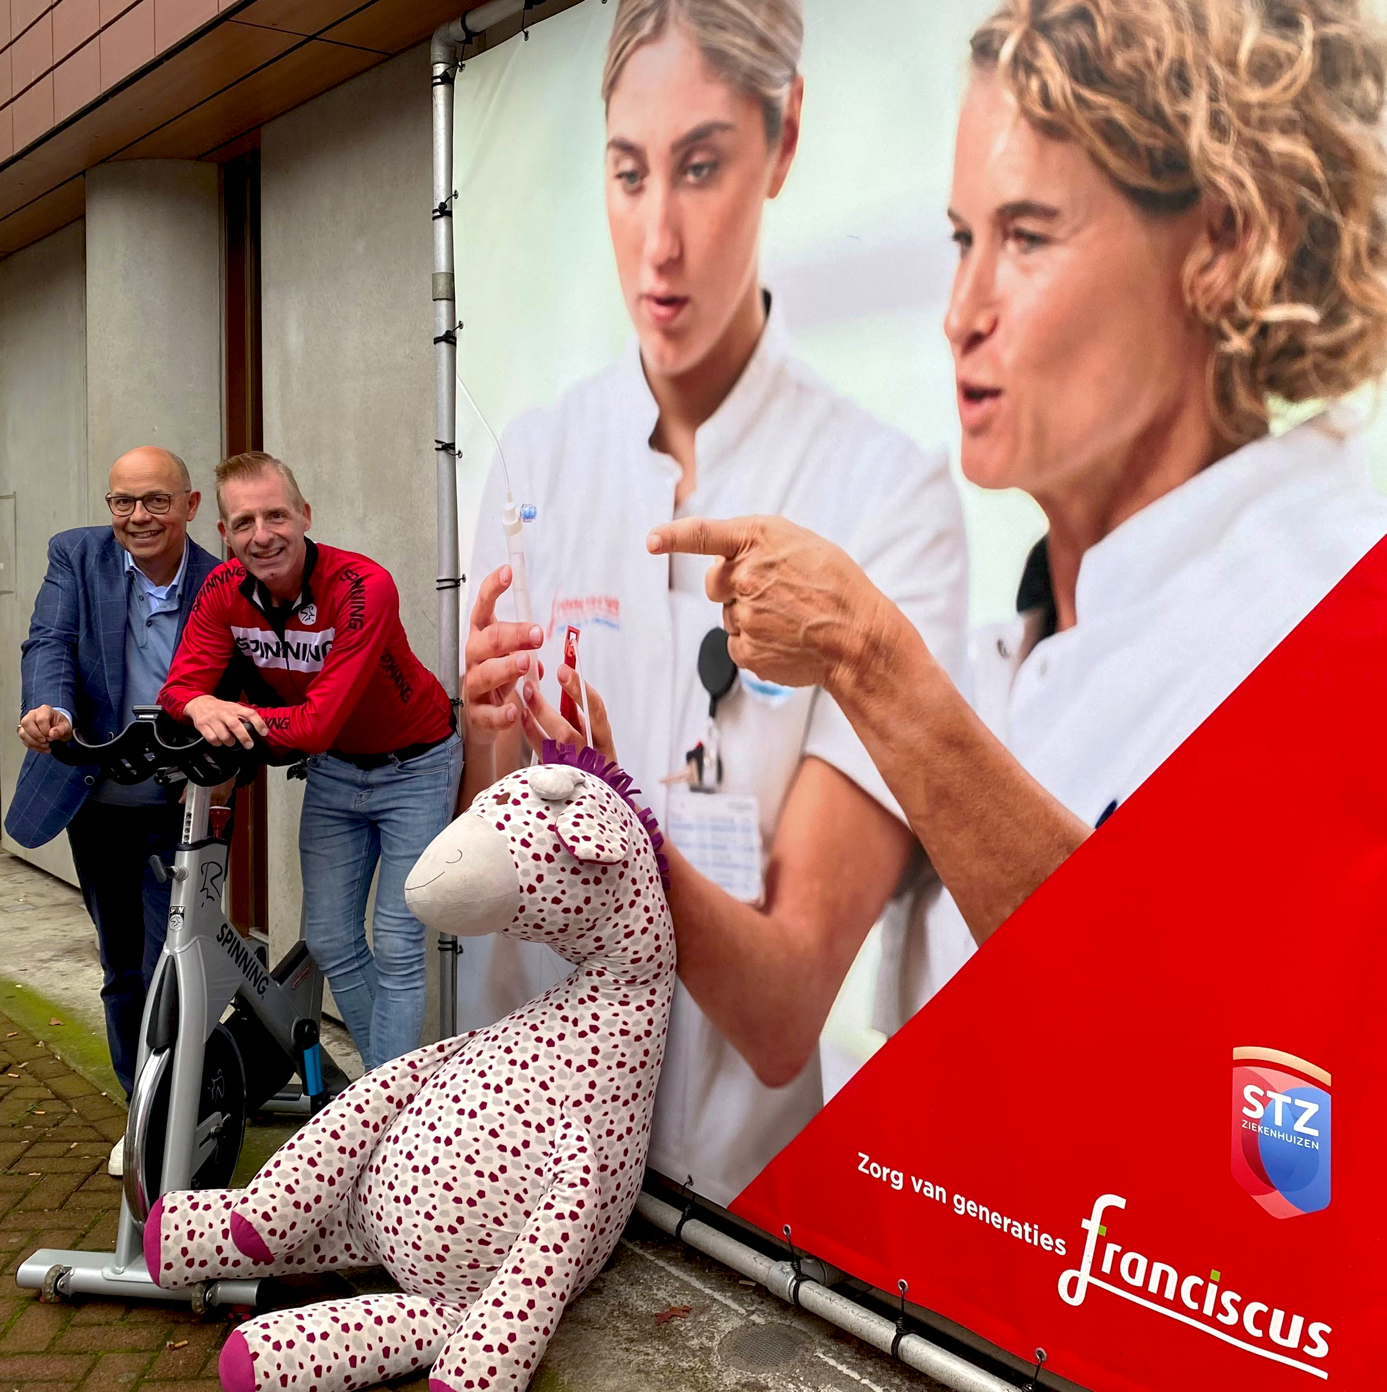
x: 718, y: 673
x: 719, y: 834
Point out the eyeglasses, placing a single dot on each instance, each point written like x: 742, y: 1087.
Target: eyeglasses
x: 122, y: 504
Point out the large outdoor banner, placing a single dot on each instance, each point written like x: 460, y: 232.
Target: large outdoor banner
x: 1135, y: 1135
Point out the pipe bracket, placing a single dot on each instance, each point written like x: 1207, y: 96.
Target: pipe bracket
x: 444, y: 285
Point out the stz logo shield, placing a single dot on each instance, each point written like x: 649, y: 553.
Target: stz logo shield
x: 1281, y: 1115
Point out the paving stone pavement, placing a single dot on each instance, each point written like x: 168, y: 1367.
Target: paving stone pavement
x: 660, y: 1317
x: 56, y: 1129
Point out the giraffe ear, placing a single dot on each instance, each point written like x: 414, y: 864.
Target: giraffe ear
x: 590, y: 830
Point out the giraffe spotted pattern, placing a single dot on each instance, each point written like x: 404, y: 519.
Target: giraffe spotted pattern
x: 490, y: 1174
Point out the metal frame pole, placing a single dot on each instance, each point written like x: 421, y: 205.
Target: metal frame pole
x: 444, y: 53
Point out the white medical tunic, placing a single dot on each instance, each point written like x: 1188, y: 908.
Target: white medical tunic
x: 782, y: 443
x: 1175, y: 608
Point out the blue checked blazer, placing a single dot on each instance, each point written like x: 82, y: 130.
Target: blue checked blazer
x: 74, y: 657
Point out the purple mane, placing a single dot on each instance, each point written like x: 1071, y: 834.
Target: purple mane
x: 588, y: 760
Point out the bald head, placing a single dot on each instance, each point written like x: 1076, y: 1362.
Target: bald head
x: 145, y: 457
x: 152, y: 501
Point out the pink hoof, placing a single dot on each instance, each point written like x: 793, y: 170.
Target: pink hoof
x: 436, y: 1386
x: 234, y: 1366
x: 151, y: 1239
x: 248, y: 1241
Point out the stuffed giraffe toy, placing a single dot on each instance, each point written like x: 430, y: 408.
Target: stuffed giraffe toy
x: 490, y: 1174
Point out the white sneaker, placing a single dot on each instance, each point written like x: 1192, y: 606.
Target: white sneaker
x: 115, y: 1166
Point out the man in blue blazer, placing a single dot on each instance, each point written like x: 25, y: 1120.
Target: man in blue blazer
x: 106, y: 622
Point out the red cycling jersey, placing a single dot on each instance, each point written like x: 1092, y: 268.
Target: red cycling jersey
x: 333, y: 671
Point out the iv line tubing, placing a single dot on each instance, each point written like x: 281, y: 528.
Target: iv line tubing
x: 486, y: 424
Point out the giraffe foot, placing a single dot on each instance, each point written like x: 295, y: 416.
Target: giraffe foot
x: 234, y: 1366
x: 151, y: 1239
x: 249, y: 1242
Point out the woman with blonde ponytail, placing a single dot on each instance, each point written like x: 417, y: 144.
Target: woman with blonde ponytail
x: 709, y: 411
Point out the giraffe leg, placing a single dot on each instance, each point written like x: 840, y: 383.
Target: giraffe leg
x: 188, y: 1237
x: 337, y: 1345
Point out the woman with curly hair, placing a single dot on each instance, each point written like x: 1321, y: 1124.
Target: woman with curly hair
x: 1169, y: 216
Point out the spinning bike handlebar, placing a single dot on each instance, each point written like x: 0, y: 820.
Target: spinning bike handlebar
x: 154, y: 744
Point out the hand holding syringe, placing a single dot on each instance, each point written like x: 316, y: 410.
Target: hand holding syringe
x: 501, y: 682
x: 542, y: 721
x: 496, y: 655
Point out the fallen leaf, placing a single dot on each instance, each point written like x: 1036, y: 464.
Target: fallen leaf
x: 176, y: 1343
x: 12, y: 1075
x: 674, y: 1312
x: 746, y: 1283
x: 38, y: 1111
x: 13, y: 1034
x: 53, y: 1020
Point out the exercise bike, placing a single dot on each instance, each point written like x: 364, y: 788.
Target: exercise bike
x: 193, y: 1089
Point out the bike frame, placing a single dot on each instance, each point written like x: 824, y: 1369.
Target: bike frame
x: 205, y: 964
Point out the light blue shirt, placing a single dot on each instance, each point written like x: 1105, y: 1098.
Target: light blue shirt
x: 151, y: 633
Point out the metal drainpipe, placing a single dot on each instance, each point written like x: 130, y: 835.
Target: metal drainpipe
x: 444, y: 51
x: 780, y: 1278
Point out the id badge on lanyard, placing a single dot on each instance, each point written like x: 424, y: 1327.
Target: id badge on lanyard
x: 718, y: 833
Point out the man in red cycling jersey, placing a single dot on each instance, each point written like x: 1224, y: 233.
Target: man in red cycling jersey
x: 314, y: 636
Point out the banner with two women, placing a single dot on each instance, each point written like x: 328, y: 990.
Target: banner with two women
x: 1020, y: 758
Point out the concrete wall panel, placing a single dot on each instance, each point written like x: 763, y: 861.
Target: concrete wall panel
x: 154, y: 306
x: 43, y: 458
x: 110, y: 336
x: 348, y: 354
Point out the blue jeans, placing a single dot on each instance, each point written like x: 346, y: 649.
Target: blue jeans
x: 353, y: 820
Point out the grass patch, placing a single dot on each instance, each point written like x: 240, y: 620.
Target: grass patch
x: 83, y: 1049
